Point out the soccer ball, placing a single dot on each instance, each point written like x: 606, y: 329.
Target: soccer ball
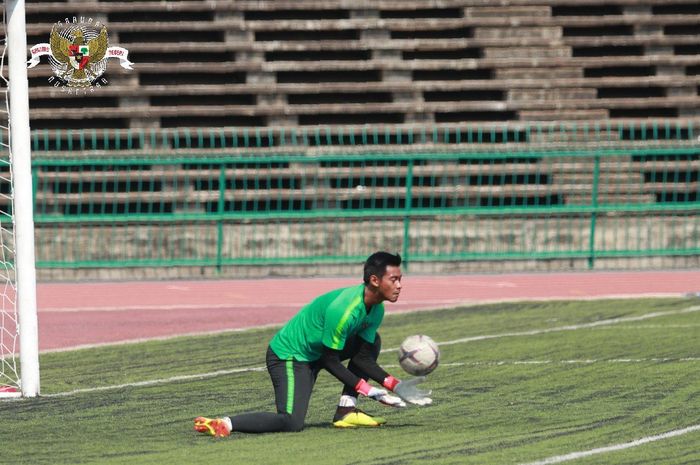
x: 419, y: 355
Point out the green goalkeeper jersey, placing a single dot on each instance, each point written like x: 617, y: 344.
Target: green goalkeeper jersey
x: 328, y: 320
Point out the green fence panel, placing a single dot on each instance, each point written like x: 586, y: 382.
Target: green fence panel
x: 236, y: 196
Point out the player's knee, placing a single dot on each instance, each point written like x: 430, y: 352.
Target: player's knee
x: 293, y: 424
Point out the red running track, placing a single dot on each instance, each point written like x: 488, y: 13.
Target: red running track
x: 86, y: 314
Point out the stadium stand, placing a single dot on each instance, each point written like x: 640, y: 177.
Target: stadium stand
x: 283, y: 63
x: 457, y: 96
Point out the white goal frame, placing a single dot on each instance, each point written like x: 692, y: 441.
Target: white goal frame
x: 23, y: 206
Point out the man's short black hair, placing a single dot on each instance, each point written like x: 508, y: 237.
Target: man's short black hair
x: 377, y: 262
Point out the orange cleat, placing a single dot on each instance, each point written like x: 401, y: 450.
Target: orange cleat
x: 217, y: 427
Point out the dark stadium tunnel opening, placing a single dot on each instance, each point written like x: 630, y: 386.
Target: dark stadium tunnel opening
x: 597, y: 31
x: 160, y: 15
x: 206, y: 100
x: 261, y: 205
x: 249, y: 184
x: 677, y: 176
x: 379, y: 202
x: 298, y: 77
x: 350, y: 118
x: 70, y: 101
x: 631, y: 92
x: 33, y: 39
x: 87, y: 123
x: 500, y: 160
x: 140, y: 37
x: 681, y: 29
x: 180, y: 57
x: 475, y: 135
x: 676, y: 9
x: 464, y: 95
x: 686, y: 49
x: 212, y: 121
x: 608, y: 51
x: 452, y: 74
x: 644, y: 113
x: 50, y: 17
x: 530, y: 201
x: 114, y: 208
x: 304, y: 35
x: 422, y: 13
x: 38, y: 81
x: 684, y: 157
x: 505, y: 179
x: 480, y: 116
x: 587, y: 10
x: 157, y: 79
x: 453, y: 54
x: 660, y: 132
x: 106, y: 186
x: 241, y: 166
x: 339, y: 97
x: 442, y: 33
x: 90, y: 139
x: 678, y: 196
x: 135, y: 167
x: 350, y: 182
x: 378, y: 164
x: 281, y: 14
x: 622, y: 71
x: 319, y: 55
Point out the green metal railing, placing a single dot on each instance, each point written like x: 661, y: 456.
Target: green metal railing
x: 332, y: 195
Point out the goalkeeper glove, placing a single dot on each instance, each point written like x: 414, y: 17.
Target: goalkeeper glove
x: 408, y: 391
x: 380, y: 395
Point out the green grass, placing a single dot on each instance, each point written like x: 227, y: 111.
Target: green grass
x: 509, y: 399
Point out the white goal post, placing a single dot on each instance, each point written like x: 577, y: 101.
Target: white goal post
x: 23, y: 271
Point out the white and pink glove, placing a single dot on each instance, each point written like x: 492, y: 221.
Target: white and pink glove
x: 380, y: 395
x: 408, y: 391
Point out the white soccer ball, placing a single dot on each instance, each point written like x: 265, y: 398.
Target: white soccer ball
x: 419, y: 355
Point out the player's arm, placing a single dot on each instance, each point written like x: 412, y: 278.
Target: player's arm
x: 407, y: 390
x: 330, y: 360
x: 364, y: 359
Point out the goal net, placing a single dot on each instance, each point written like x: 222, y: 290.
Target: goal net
x: 9, y: 336
x: 19, y: 360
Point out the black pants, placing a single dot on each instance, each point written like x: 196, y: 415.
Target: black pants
x: 293, y: 382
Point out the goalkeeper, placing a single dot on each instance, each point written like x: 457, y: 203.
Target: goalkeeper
x: 336, y: 326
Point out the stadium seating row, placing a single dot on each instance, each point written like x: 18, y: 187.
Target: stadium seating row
x: 281, y: 63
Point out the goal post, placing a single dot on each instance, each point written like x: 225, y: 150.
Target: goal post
x: 22, y: 198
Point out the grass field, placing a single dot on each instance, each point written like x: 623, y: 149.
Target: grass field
x: 518, y: 383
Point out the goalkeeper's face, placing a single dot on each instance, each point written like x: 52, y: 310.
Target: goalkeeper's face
x: 390, y: 284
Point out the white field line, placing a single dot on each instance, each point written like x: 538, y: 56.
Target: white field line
x: 213, y: 374
x: 615, y: 447
x: 587, y: 361
x: 159, y: 338
x: 594, y: 324
x: 455, y: 341
x: 154, y: 382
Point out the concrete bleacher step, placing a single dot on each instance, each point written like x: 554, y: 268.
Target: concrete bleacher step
x: 561, y: 51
